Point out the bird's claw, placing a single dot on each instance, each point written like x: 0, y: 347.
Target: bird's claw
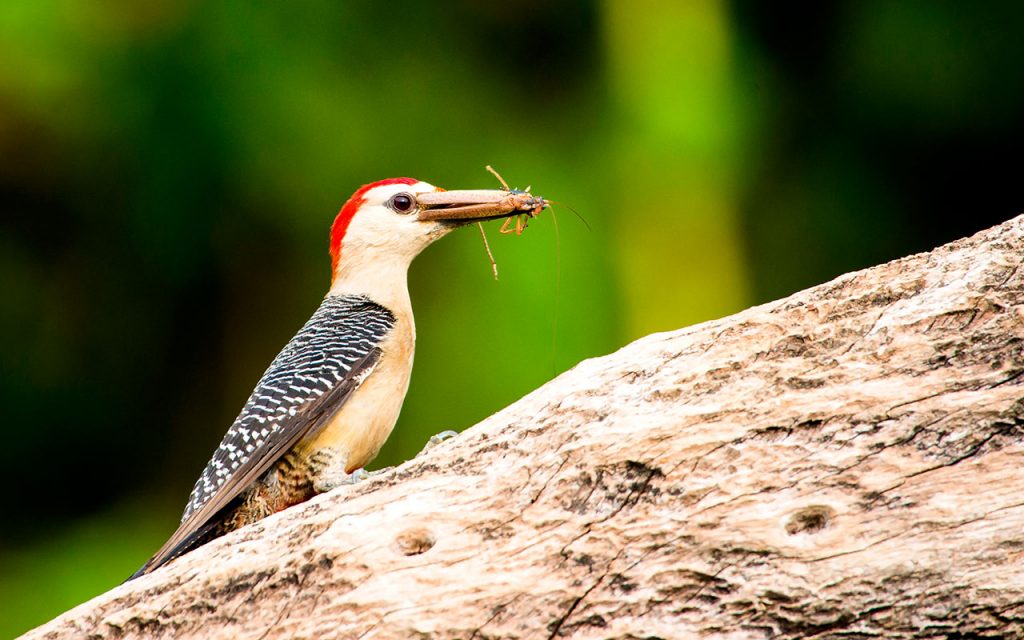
x: 437, y: 439
x: 333, y: 481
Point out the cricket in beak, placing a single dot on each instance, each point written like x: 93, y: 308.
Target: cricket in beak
x: 459, y: 208
x: 474, y: 205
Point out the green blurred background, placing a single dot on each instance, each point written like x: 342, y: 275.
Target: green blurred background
x: 169, y: 171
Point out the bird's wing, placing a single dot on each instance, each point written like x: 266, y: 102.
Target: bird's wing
x: 305, y: 385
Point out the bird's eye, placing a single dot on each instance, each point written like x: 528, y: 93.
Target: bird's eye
x: 402, y: 203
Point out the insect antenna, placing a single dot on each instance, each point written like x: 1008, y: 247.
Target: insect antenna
x: 558, y: 291
x: 575, y: 212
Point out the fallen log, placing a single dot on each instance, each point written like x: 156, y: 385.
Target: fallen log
x: 842, y: 463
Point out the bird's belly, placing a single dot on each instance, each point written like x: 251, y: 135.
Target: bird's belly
x: 357, y: 432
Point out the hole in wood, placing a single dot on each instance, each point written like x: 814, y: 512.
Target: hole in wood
x: 414, y: 541
x: 810, y: 520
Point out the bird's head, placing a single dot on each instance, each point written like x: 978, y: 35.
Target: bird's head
x: 385, y: 224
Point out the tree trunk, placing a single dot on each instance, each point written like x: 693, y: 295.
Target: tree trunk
x: 843, y: 463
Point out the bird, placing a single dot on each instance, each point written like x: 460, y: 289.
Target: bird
x: 331, y: 397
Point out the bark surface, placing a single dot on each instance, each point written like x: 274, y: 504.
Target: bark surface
x: 843, y: 463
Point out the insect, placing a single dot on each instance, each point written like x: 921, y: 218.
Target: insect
x: 522, y: 201
x: 528, y: 204
x: 486, y: 204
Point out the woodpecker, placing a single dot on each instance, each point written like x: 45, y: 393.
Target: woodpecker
x: 331, y: 397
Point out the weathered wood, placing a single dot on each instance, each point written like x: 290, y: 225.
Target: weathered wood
x: 843, y: 463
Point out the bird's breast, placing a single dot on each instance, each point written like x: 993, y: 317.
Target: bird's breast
x: 362, y: 425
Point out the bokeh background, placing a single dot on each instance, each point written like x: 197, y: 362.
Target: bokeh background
x: 169, y: 171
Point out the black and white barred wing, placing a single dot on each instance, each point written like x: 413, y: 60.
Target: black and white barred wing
x: 305, y: 385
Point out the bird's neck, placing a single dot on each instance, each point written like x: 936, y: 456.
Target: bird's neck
x: 386, y: 282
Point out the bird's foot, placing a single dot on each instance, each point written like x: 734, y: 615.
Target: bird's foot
x: 329, y: 481
x: 437, y: 439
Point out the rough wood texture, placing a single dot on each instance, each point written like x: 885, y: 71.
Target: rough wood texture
x: 844, y: 463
